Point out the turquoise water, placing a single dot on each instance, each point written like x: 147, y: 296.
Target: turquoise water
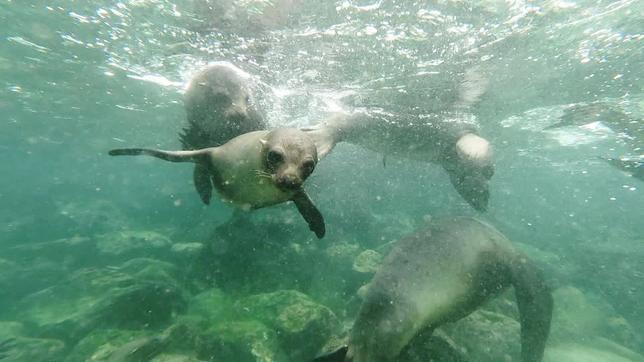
x: 110, y: 259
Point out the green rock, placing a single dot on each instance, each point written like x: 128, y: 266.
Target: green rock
x: 580, y: 316
x: 21, y: 349
x: 166, y: 357
x: 486, y: 336
x: 342, y: 252
x: 242, y: 341
x: 128, y: 244
x: 367, y: 262
x: 211, y: 306
x: 142, y: 293
x: 303, y: 326
x: 100, y: 344
x: 594, y: 351
x: 10, y: 329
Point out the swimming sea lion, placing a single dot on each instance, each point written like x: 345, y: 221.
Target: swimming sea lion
x: 613, y: 117
x: 219, y: 106
x: 444, y: 138
x: 634, y: 166
x: 254, y: 170
x: 441, y: 274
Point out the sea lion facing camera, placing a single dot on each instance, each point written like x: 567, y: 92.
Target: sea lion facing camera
x: 219, y: 106
x: 441, y: 274
x: 254, y: 170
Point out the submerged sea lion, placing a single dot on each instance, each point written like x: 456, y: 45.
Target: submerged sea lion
x: 441, y: 274
x: 219, y: 106
x: 443, y: 138
x: 254, y: 170
x: 634, y: 166
x: 613, y: 117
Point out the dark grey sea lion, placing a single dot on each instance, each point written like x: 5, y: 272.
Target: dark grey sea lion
x: 443, y: 138
x: 254, y: 170
x: 219, y: 106
x: 441, y: 274
x: 634, y: 167
x: 613, y: 117
x: 629, y: 129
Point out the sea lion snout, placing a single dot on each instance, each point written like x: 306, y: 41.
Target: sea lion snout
x: 289, y: 182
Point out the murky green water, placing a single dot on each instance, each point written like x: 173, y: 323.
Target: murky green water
x: 108, y: 259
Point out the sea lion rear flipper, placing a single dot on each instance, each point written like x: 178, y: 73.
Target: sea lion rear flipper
x: 310, y: 213
x: 203, y: 184
x: 535, y: 308
x: 335, y: 356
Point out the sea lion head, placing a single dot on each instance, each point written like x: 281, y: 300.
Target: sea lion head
x: 290, y: 156
x: 219, y: 102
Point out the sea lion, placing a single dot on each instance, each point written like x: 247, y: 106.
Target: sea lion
x: 629, y: 129
x: 634, y: 166
x: 613, y: 117
x: 254, y: 170
x: 219, y: 106
x: 446, y: 138
x: 440, y: 274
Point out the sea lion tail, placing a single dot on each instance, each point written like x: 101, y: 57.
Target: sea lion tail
x: 535, y: 308
x: 338, y: 355
x: 172, y: 156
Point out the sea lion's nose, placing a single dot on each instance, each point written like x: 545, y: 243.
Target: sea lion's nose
x: 289, y: 182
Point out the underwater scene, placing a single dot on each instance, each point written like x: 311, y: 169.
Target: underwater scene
x: 302, y: 180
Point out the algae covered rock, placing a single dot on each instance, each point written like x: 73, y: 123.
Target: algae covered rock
x: 31, y: 349
x: 141, y: 293
x: 342, y: 252
x: 101, y: 344
x: 596, y: 350
x: 128, y: 244
x: 210, y: 307
x: 172, y: 357
x: 302, y: 325
x: 486, y: 336
x: 240, y: 341
x: 367, y: 262
x: 10, y: 329
x: 580, y: 316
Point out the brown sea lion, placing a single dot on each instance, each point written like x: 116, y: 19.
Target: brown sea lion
x: 441, y: 274
x: 219, y: 106
x: 254, y: 170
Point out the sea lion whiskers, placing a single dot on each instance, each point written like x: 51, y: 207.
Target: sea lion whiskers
x: 264, y: 174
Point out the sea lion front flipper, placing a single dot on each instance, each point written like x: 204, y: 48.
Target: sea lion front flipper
x: 310, y: 213
x: 203, y: 184
x: 473, y: 188
x: 335, y: 356
x: 535, y: 308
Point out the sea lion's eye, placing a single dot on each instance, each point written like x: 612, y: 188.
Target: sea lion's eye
x: 307, y: 167
x: 274, y: 157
